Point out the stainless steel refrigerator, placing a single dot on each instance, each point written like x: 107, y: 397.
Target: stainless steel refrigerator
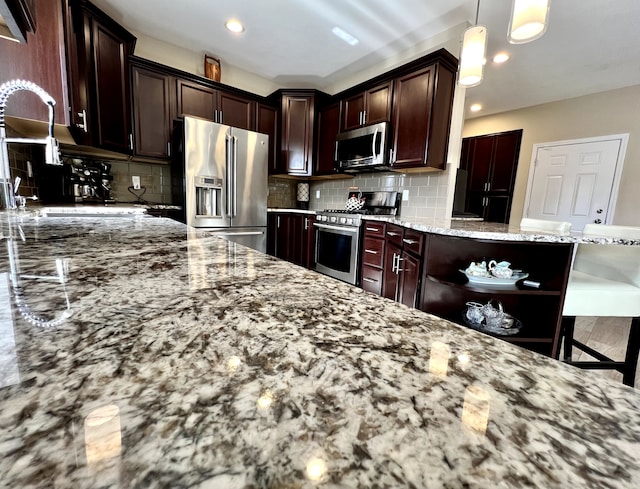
x: 219, y: 176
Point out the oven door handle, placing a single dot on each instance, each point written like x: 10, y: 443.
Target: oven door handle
x: 338, y: 228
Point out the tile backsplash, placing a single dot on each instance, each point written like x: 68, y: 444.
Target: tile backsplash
x: 282, y: 193
x: 156, y: 179
x: 427, y: 192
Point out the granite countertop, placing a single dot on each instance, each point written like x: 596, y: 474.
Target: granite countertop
x: 486, y: 230
x: 140, y: 353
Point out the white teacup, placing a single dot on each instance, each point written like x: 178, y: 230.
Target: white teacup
x: 500, y: 269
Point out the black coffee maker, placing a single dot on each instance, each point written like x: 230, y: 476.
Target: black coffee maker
x: 78, y: 181
x: 91, y: 182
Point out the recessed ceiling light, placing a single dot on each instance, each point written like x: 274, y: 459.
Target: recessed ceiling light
x: 234, y: 25
x: 475, y: 108
x: 500, y: 58
x: 345, y: 36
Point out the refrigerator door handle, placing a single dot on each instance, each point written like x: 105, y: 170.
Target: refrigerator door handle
x: 229, y: 176
x: 235, y: 176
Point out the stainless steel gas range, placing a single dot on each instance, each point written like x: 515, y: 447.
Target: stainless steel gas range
x: 339, y: 232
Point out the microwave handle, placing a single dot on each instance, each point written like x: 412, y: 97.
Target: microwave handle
x: 373, y: 144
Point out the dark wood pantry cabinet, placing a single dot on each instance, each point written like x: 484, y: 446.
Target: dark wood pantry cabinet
x: 298, y: 113
x: 491, y: 161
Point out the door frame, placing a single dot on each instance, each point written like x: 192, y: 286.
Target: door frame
x: 613, y: 197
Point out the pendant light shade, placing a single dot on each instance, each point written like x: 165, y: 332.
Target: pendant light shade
x: 528, y: 20
x: 472, y: 57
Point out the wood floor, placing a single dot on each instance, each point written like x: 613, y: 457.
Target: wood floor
x: 607, y: 335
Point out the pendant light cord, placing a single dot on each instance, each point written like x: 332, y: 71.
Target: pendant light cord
x: 477, y: 11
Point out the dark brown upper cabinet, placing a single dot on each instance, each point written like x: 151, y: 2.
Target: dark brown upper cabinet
x: 267, y: 123
x: 298, y: 124
x: 97, y: 51
x: 198, y: 100
x: 328, y: 127
x: 422, y: 104
x: 20, y: 18
x: 152, y: 112
x: 368, y: 107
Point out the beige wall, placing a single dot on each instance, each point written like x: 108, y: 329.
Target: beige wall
x: 192, y: 62
x: 601, y: 114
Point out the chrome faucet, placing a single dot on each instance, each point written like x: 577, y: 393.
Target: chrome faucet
x: 52, y: 152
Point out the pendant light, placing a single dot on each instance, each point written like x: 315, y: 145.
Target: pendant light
x: 472, y: 56
x: 529, y: 20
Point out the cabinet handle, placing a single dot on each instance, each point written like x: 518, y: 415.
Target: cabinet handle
x: 277, y: 221
x: 131, y: 141
x: 370, y: 280
x: 373, y: 252
x: 372, y: 229
x: 393, y: 263
x: 391, y: 156
x: 306, y: 223
x: 168, y: 148
x: 409, y: 241
x: 83, y: 125
x: 364, y: 117
x: 398, y: 269
x: 488, y: 186
x: 220, y: 114
x: 392, y: 234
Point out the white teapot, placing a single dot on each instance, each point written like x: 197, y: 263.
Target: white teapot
x: 478, y: 269
x: 500, y: 269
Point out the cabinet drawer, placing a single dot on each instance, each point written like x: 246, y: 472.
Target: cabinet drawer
x: 413, y: 242
x: 373, y: 228
x: 373, y: 252
x: 395, y: 234
x: 372, y: 279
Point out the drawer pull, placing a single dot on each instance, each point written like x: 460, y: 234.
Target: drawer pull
x: 373, y: 252
x: 392, y: 234
x: 370, y: 280
x: 372, y: 229
x: 409, y: 241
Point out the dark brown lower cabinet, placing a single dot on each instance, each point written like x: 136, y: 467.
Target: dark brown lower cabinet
x: 373, y: 254
x: 402, y: 264
x: 290, y: 237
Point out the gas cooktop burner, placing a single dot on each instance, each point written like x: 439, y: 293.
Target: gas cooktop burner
x: 344, y: 211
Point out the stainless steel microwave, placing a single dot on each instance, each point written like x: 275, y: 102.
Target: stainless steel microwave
x: 362, y: 149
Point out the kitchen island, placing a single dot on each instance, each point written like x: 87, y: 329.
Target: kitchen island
x: 138, y: 352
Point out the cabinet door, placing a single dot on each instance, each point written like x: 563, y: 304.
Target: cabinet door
x: 481, y: 152
x: 236, y: 111
x: 391, y: 256
x: 19, y: 17
x: 409, y: 276
x: 283, y: 232
x: 267, y: 123
x: 492, y: 208
x: 111, y: 97
x: 195, y: 99
x: 298, y: 116
x: 151, y: 113
x: 41, y: 61
x: 308, y: 242
x: 506, y: 151
x: 328, y: 128
x: 352, y: 111
x: 412, y: 118
x: 378, y: 104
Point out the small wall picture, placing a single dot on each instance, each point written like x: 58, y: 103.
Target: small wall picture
x: 212, y: 68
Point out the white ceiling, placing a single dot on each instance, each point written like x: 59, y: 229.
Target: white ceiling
x: 590, y: 45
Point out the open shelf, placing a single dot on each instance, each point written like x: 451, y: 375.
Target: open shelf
x: 460, y: 281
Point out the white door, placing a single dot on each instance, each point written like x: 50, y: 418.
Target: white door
x: 575, y: 181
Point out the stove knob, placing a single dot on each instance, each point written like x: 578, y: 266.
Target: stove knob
x: 350, y: 221
x: 333, y: 219
x: 343, y: 220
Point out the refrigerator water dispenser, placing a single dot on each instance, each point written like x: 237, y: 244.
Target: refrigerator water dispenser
x: 208, y: 196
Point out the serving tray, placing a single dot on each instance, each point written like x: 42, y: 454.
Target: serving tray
x: 491, y: 280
